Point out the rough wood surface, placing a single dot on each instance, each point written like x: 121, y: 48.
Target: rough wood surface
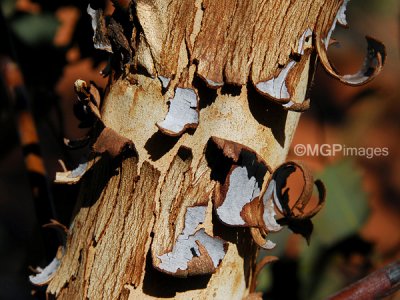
x: 133, y: 213
x: 230, y: 39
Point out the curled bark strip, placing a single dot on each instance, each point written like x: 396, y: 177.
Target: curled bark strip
x: 100, y: 38
x: 269, y: 213
x: 73, y: 176
x: 44, y: 276
x: 260, y: 240
x: 253, y: 296
x: 371, y: 67
x: 61, y: 228
x: 95, y: 96
x: 252, y: 213
x: 238, y: 200
x: 78, y: 143
x: 88, y: 97
x: 298, y: 107
x: 118, y: 40
x: 232, y: 150
x: 321, y: 200
x: 296, y: 217
x: 262, y: 263
x: 109, y: 141
x: 242, y: 186
x: 280, y: 196
x: 100, y: 139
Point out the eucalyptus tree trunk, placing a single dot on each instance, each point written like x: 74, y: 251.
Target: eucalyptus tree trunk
x: 201, y: 106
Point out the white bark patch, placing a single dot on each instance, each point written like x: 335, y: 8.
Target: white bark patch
x: 164, y: 81
x: 339, y: 18
x: 242, y: 189
x: 186, y: 248
x: 79, y: 171
x: 269, y: 245
x: 183, y: 112
x: 304, y: 41
x: 244, y: 185
x: 276, y: 87
x: 73, y: 176
x: 45, y: 275
x: 288, y: 105
x: 100, y: 40
x: 213, y: 84
x: 269, y: 208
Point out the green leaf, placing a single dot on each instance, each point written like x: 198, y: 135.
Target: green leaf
x: 8, y: 7
x: 344, y: 213
x: 346, y: 206
x: 36, y: 29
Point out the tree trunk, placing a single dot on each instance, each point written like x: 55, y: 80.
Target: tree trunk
x: 207, y: 91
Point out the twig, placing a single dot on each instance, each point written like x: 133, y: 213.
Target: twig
x: 377, y: 285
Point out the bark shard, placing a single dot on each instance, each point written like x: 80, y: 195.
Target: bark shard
x: 44, y: 276
x: 100, y: 39
x: 281, y: 87
x: 100, y: 139
x: 193, y: 244
x: 181, y: 246
x: 183, y: 112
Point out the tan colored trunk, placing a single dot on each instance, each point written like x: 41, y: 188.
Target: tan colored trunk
x: 132, y: 212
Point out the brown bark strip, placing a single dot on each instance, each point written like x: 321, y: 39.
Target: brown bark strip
x: 163, y: 31
x: 235, y: 51
x: 115, y: 210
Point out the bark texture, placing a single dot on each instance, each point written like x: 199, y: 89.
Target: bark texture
x: 184, y: 72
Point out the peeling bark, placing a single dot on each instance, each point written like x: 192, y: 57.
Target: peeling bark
x: 190, y: 95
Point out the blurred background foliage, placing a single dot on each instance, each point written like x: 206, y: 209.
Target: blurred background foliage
x: 356, y: 232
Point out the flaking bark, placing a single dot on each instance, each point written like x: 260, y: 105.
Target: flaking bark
x: 132, y: 210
